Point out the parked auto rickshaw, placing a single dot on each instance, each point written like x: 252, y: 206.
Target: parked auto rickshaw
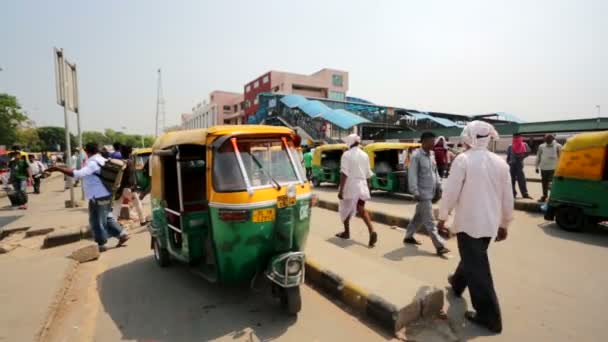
x: 390, y: 162
x: 326, y: 163
x: 579, y: 194
x: 232, y: 202
x: 140, y: 157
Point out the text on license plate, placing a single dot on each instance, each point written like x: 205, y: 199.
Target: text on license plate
x: 263, y: 215
x: 284, y: 201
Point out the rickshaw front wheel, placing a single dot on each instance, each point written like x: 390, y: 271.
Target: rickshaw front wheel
x: 161, y: 255
x: 291, y: 300
x: 571, y: 219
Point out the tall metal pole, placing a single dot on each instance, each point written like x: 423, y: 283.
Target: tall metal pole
x: 77, y: 110
x: 68, y: 148
x: 157, y: 102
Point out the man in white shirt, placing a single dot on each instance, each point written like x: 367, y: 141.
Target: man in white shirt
x: 546, y: 162
x: 479, y: 188
x: 355, y: 172
x: 101, y: 221
x: 37, y: 170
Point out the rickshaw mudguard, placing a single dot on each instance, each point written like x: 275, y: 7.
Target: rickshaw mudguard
x: 277, y: 270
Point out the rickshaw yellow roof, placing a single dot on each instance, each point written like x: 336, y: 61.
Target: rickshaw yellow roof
x: 382, y: 146
x: 199, y: 136
x: 585, y: 141
x: 142, y: 150
x: 331, y: 147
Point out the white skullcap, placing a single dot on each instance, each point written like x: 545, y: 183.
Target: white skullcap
x: 352, y: 139
x: 478, y: 134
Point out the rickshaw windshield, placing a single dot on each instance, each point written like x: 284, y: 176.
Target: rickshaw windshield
x: 141, y: 159
x: 266, y: 163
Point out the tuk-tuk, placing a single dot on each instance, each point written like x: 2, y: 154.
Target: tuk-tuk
x: 233, y: 203
x: 579, y: 194
x: 326, y: 163
x: 140, y: 157
x: 390, y: 162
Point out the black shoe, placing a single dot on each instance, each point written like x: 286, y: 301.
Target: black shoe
x: 527, y: 196
x: 411, y: 241
x: 493, y: 327
x: 373, y: 238
x: 451, y: 282
x: 542, y: 199
x: 441, y: 251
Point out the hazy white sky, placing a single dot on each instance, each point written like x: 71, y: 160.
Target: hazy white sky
x: 540, y: 60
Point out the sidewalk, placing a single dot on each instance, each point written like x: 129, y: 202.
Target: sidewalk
x: 35, y: 279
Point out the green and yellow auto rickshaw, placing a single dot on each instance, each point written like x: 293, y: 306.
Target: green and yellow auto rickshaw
x: 326, y: 163
x: 233, y: 203
x: 579, y: 194
x: 140, y: 157
x: 390, y: 162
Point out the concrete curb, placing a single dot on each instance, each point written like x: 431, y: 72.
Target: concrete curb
x: 65, y: 236
x: 393, y: 317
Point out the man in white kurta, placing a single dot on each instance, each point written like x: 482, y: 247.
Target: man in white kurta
x: 479, y: 188
x: 355, y: 172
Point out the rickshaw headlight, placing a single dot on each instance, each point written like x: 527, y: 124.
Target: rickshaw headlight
x: 294, y: 267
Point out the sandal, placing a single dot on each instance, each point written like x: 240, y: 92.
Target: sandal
x: 343, y: 235
x: 373, y: 238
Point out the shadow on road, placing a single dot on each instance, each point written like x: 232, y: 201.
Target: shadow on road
x: 151, y: 304
x: 594, y: 235
x: 464, y: 329
x: 407, y: 251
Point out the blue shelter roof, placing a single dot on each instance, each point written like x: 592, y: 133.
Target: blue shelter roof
x: 293, y: 100
x: 342, y: 118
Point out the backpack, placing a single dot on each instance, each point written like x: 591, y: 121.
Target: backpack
x: 111, y: 174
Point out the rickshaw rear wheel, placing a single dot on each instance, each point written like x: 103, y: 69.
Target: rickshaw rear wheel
x: 571, y: 219
x: 291, y: 300
x: 161, y: 255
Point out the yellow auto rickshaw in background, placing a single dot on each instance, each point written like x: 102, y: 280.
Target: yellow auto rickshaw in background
x: 390, y: 163
x: 579, y: 193
x: 233, y: 203
x: 326, y: 163
x: 140, y: 157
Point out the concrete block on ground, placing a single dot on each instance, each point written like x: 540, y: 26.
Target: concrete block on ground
x: 62, y: 237
x: 35, y: 231
x: 75, y: 204
x: 390, y: 298
x: 12, y: 230
x: 6, y: 247
x: 86, y: 232
x: 86, y: 253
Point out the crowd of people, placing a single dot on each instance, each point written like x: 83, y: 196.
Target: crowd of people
x: 479, y: 189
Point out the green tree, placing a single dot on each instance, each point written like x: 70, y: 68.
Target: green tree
x: 10, y: 118
x: 52, y: 136
x: 95, y: 137
x: 28, y: 139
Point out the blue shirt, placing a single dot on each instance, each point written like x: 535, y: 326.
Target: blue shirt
x: 93, y: 187
x: 116, y: 155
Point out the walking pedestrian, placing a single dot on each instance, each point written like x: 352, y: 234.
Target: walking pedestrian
x: 37, y: 169
x: 308, y: 163
x: 516, y: 153
x: 423, y: 181
x: 20, y: 175
x: 129, y: 184
x: 546, y: 162
x: 479, y: 189
x: 101, y: 220
x: 355, y: 173
x: 441, y: 156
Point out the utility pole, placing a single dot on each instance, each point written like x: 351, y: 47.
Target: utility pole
x: 598, y: 115
x: 160, y: 105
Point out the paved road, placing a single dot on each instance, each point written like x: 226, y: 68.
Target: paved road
x: 125, y: 296
x: 551, y: 283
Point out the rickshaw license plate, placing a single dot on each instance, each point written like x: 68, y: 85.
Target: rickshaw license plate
x: 284, y: 201
x: 263, y: 215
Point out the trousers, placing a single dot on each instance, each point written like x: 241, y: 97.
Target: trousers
x: 518, y: 176
x: 424, y: 217
x: 546, y: 177
x: 474, y: 272
x: 101, y: 221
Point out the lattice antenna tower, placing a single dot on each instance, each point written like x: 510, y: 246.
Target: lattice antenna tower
x: 160, y: 106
